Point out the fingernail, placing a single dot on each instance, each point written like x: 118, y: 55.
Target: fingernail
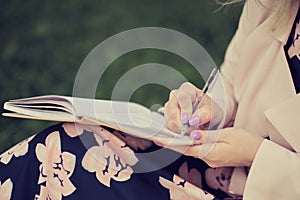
x: 195, y: 135
x: 184, y: 118
x: 194, y: 121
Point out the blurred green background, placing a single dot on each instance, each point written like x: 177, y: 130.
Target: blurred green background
x: 42, y: 44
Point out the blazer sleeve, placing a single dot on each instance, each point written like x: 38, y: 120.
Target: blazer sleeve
x: 275, y: 171
x: 274, y: 174
x: 231, y: 59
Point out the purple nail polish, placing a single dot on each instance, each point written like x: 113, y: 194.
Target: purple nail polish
x: 184, y: 118
x: 194, y: 121
x: 195, y: 135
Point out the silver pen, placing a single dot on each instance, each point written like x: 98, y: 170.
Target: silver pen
x: 209, y: 83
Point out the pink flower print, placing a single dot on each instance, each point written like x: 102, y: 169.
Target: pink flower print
x: 76, y: 129
x: 133, y: 142
x: 6, y: 189
x: 48, y: 194
x: 73, y: 129
x: 294, y: 50
x: 56, y: 167
x: 219, y: 178
x: 111, y: 159
x: 180, y: 189
x: 18, y: 150
x: 193, y: 176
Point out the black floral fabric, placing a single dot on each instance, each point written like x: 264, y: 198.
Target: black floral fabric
x: 72, y: 161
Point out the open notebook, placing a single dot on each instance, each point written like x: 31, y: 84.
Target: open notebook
x: 128, y: 117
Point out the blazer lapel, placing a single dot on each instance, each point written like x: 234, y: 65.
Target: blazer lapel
x: 285, y: 116
x: 286, y: 119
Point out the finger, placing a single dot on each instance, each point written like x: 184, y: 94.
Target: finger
x: 176, y: 140
x: 172, y: 116
x: 201, y: 151
x: 205, y: 137
x: 203, y: 114
x: 185, y: 97
x: 204, y: 146
x: 172, y: 112
x: 197, y: 151
x: 189, y: 89
x: 209, y: 113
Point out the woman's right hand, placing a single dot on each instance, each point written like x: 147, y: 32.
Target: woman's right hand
x: 179, y: 109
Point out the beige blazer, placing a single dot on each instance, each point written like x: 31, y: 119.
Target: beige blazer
x: 262, y: 99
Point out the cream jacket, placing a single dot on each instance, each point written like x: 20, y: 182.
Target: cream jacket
x: 262, y: 99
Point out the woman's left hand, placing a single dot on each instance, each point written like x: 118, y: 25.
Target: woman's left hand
x: 225, y: 147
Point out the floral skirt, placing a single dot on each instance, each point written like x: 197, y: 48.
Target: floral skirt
x: 73, y: 161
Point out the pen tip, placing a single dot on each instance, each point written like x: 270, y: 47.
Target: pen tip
x: 183, y: 129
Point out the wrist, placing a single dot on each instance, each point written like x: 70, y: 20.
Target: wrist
x: 254, y: 146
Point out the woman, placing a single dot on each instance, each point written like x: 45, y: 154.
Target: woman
x: 55, y: 164
x: 261, y: 74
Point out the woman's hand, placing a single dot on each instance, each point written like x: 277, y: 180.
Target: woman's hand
x: 226, y: 147
x: 179, y: 109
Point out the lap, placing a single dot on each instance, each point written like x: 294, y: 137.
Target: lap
x: 68, y: 161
